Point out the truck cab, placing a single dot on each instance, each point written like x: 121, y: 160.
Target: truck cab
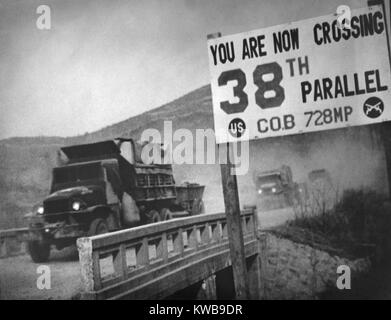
x: 276, y: 188
x: 270, y: 184
x: 85, y: 199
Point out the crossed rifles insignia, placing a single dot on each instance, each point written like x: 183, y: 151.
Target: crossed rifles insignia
x: 373, y: 107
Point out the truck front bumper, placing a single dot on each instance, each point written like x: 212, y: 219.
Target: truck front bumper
x: 54, y: 231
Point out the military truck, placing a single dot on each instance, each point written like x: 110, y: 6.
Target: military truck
x: 276, y: 189
x: 103, y: 187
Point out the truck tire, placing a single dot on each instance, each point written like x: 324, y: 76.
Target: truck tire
x: 39, y: 251
x: 153, y: 216
x: 98, y: 226
x: 166, y: 214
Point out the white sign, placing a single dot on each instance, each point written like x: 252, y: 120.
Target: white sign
x: 311, y: 75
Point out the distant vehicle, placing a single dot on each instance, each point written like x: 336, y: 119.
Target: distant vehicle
x: 103, y: 187
x: 320, y: 175
x: 276, y: 188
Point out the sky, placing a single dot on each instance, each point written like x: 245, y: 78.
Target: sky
x: 104, y: 61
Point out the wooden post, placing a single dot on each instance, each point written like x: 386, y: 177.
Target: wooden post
x: 385, y: 127
x: 254, y: 270
x: 234, y: 223
x: 234, y: 227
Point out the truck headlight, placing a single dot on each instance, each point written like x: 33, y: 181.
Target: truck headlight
x: 40, y: 210
x: 260, y: 191
x: 274, y: 190
x: 76, y: 205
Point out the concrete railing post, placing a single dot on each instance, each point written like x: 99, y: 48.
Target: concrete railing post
x: 84, y: 245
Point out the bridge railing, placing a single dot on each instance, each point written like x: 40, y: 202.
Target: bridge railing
x: 154, y: 260
x: 12, y: 242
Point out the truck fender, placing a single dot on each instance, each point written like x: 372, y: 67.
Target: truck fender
x: 130, y: 211
x: 99, y: 209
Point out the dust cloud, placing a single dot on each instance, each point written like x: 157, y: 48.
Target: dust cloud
x: 353, y: 156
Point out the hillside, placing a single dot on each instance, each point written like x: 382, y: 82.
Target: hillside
x: 26, y: 162
x: 196, y: 105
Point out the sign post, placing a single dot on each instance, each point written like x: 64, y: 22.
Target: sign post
x: 234, y: 227
x: 385, y: 128
x: 234, y: 224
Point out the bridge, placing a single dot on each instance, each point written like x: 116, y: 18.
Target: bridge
x: 185, y: 257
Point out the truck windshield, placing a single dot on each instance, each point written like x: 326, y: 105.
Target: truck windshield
x: 84, y: 172
x: 268, y: 181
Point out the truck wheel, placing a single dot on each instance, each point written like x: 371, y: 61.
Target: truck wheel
x: 39, y: 251
x: 166, y: 214
x: 98, y: 226
x: 153, y: 216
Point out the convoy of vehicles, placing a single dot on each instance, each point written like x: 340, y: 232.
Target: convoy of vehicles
x: 103, y: 187
x: 276, y: 190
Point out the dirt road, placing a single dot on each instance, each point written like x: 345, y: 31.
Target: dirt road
x: 273, y: 218
x: 18, y: 277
